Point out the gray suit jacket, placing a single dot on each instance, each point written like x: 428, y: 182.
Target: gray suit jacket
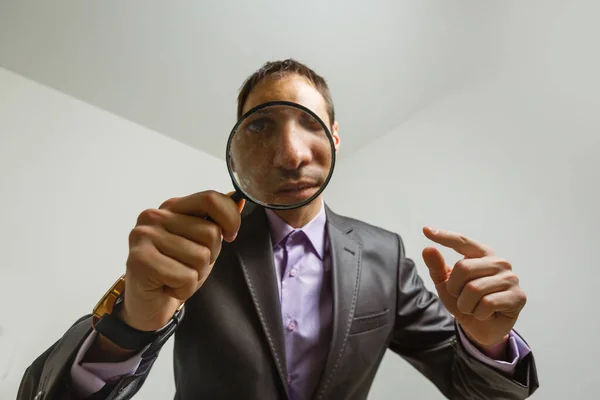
x: 230, y: 343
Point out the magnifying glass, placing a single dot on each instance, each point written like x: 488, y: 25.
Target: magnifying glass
x: 280, y: 155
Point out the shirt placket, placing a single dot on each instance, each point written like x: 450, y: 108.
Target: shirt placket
x: 290, y: 295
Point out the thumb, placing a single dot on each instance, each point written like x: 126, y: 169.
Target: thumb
x: 438, y: 270
x: 240, y: 203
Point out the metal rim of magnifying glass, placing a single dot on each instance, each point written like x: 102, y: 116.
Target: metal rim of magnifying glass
x: 270, y: 104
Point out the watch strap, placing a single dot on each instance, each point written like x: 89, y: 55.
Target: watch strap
x: 127, y: 337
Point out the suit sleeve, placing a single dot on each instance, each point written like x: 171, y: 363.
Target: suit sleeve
x: 49, y: 378
x: 34, y: 383
x: 425, y: 334
x: 89, y: 378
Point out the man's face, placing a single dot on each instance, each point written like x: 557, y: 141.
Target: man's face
x: 282, y: 155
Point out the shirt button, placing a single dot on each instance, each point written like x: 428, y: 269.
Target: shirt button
x: 291, y: 326
x: 293, y: 273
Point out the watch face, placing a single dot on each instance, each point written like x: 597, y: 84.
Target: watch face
x: 107, y: 302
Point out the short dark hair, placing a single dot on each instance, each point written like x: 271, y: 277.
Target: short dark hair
x: 281, y: 69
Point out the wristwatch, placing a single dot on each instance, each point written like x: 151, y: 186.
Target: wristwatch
x: 106, y: 321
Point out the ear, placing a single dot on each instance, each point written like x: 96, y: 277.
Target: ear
x: 336, y: 136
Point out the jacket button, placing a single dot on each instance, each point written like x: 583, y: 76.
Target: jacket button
x: 39, y: 395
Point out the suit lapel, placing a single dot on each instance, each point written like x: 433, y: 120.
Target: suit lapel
x: 255, y: 254
x: 346, y: 263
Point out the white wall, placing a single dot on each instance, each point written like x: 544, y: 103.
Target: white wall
x: 73, y: 179
x: 514, y: 162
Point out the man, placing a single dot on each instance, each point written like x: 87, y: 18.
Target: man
x: 297, y: 304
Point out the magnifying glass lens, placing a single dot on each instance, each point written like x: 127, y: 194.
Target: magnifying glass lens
x: 280, y: 155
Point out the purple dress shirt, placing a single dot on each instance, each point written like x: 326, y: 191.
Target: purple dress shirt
x: 303, y: 265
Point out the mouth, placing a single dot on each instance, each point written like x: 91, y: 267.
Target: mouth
x: 291, y: 187
x: 298, y: 190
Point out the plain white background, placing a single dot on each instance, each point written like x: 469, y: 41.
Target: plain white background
x: 511, y: 159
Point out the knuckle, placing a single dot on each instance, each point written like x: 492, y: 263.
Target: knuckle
x: 504, y: 264
x: 203, y: 255
x: 188, y: 281
x: 473, y: 287
x: 139, y: 232
x: 150, y: 216
x: 521, y: 297
x: 190, y: 277
x: 211, y: 197
x: 214, y: 234
x: 512, y: 279
x: 488, y: 302
x: 462, y: 267
x: 167, y: 204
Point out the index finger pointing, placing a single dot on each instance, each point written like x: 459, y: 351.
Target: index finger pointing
x: 460, y: 243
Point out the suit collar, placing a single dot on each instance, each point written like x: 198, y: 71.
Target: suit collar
x: 339, y: 222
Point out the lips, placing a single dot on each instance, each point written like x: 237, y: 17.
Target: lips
x: 296, y: 187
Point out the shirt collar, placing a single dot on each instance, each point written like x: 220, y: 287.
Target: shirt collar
x: 314, y: 230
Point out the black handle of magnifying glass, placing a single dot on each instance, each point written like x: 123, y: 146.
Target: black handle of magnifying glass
x: 235, y: 196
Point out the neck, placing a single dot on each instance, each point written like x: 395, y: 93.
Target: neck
x: 299, y: 217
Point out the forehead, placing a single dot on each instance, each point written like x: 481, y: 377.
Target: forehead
x: 294, y: 88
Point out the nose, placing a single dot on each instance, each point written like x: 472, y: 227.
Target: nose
x: 292, y: 150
